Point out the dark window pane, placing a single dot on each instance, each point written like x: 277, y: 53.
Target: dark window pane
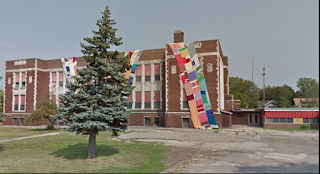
x: 16, y: 107
x: 147, y: 121
x: 61, y: 84
x: 147, y: 105
x: 157, y: 77
x: 147, y: 78
x: 283, y: 120
x: 17, y: 84
x: 138, y: 105
x: 185, y: 104
x: 157, y: 105
x: 289, y: 120
x: 156, y: 121
x: 15, y: 121
x: 268, y: 120
x: 21, y: 107
x: 275, y: 120
x: 21, y: 121
x: 23, y: 84
x: 313, y: 120
x: 306, y: 120
x: 138, y: 78
x: 239, y: 115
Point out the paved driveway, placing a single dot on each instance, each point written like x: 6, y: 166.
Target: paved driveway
x: 241, y: 149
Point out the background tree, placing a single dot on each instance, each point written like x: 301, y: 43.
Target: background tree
x: 246, y: 88
x: 1, y: 103
x: 95, y: 101
x: 282, y: 95
x: 46, y: 108
x: 308, y: 88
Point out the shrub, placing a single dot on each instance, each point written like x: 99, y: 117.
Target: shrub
x: 304, y: 126
x: 50, y: 127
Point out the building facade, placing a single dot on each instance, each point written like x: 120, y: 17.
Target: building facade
x: 157, y: 100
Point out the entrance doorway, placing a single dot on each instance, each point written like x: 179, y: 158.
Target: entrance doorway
x: 254, y: 119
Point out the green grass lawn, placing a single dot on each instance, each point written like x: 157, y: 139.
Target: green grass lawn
x: 66, y: 153
x: 12, y: 132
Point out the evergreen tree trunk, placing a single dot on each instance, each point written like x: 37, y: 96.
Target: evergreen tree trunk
x: 92, y: 146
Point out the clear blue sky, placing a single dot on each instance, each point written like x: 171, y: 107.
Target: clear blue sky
x: 283, y: 35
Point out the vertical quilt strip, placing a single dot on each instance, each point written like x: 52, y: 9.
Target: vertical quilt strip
x: 70, y: 68
x: 134, y: 57
x: 194, y: 83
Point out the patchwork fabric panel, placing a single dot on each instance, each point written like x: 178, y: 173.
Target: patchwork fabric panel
x: 70, y: 68
x: 192, y: 77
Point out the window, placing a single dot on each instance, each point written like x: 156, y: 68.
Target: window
x: 138, y: 100
x: 130, y: 100
x: 239, y: 115
x: 146, y: 121
x: 17, y: 79
x: 185, y: 123
x: 311, y: 120
x: 54, y: 79
x: 53, y: 97
x: 157, y: 104
x: 156, y: 121
x: 289, y: 120
x: 147, y: 99
x: 185, y: 104
x: 15, y: 120
x: 157, y: 72
x: 279, y: 120
x: 60, y: 102
x: 22, y: 102
x: 16, y: 103
x: 60, y: 79
x: 23, y: 80
x: 21, y: 122
x: 147, y: 72
x: 138, y: 73
x: 19, y: 102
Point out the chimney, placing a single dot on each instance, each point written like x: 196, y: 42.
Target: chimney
x: 178, y: 36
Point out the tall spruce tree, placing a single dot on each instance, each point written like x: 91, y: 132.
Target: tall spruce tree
x: 96, y: 101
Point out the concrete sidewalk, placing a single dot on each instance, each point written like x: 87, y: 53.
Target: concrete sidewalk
x: 32, y: 136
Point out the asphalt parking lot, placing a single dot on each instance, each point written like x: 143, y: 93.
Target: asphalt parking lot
x: 241, y: 149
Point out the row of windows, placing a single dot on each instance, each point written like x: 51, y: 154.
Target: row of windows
x: 20, y: 79
x: 147, y: 72
x: 147, y: 100
x: 290, y: 120
x: 19, y: 102
x: 55, y: 79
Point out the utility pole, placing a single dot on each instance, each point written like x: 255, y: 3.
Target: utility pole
x: 252, y: 70
x: 264, y: 90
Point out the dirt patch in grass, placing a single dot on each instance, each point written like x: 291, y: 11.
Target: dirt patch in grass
x: 177, y: 155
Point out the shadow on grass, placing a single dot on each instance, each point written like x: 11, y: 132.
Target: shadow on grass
x: 1, y: 147
x: 79, y: 151
x: 45, y: 129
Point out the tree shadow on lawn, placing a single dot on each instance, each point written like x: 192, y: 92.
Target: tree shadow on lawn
x: 79, y: 151
x: 1, y: 147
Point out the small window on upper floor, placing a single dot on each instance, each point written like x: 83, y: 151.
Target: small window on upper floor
x: 138, y: 73
x: 147, y: 73
x: 23, y: 80
x: 53, y: 79
x: 17, y: 79
x: 60, y: 79
x: 157, y: 72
